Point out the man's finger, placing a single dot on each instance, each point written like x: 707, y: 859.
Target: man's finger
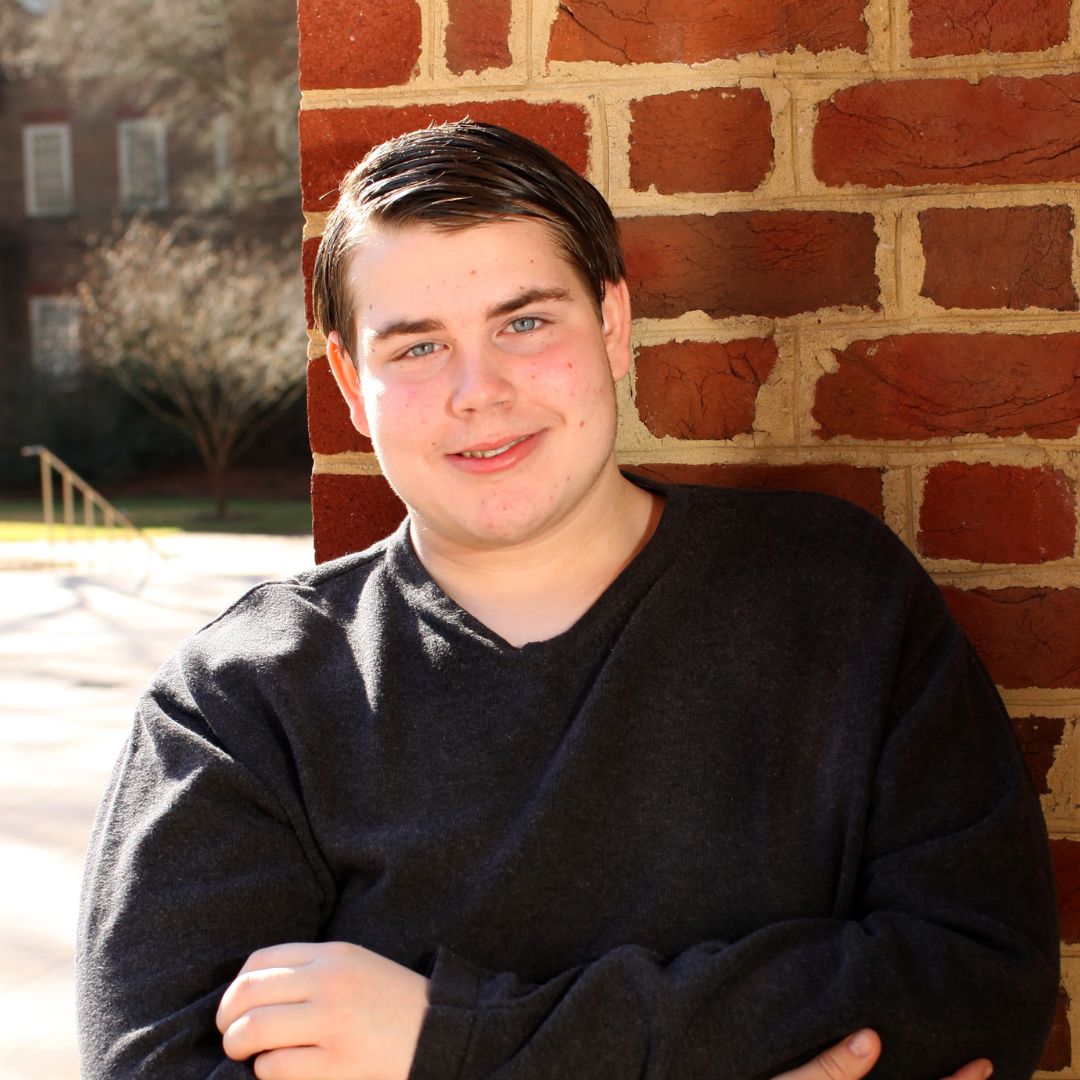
x: 979, y: 1069
x: 848, y: 1060
x: 287, y: 954
x: 259, y: 986
x: 293, y: 1063
x: 272, y: 1027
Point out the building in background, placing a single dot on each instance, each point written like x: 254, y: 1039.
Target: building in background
x: 94, y: 129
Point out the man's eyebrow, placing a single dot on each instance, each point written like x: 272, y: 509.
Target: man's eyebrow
x: 400, y: 327
x: 525, y: 298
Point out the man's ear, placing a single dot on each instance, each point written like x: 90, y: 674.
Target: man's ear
x: 617, y: 320
x: 348, y: 381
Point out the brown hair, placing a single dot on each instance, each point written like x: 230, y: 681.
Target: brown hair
x: 452, y: 176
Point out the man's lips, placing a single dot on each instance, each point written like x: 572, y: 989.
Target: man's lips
x: 496, y: 456
x: 492, y: 451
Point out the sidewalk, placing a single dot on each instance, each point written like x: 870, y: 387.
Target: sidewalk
x: 75, y: 651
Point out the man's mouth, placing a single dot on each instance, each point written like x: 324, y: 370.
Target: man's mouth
x: 492, y: 453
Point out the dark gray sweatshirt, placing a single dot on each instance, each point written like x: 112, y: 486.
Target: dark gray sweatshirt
x: 760, y: 795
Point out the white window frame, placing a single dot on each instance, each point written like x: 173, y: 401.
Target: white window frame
x: 129, y: 199
x: 31, y: 178
x: 57, y: 364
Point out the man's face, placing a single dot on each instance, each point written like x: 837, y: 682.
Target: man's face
x: 485, y: 379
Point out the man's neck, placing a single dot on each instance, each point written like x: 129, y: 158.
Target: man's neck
x: 535, y: 590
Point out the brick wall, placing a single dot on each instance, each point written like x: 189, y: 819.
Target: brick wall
x: 850, y: 230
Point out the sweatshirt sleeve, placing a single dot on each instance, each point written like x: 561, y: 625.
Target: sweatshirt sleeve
x: 950, y: 951
x: 193, y: 864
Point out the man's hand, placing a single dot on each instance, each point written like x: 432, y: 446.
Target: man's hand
x: 853, y: 1058
x: 328, y: 1011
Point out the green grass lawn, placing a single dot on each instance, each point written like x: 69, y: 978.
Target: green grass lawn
x: 21, y: 519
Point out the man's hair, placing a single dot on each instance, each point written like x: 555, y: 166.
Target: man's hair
x: 453, y: 176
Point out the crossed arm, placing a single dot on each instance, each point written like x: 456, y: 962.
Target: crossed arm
x: 334, y: 1011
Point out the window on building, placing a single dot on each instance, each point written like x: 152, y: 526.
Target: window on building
x: 47, y: 169
x: 221, y: 133
x: 143, y: 181
x: 222, y: 136
x: 54, y: 330
x: 286, y: 139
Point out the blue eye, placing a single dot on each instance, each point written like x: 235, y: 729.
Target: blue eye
x: 423, y: 348
x: 525, y: 324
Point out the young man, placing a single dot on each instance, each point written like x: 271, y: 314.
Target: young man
x: 572, y: 776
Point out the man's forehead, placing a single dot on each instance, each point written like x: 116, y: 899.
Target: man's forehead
x: 531, y: 235
x: 539, y: 266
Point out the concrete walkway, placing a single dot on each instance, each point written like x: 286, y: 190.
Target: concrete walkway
x: 76, y: 648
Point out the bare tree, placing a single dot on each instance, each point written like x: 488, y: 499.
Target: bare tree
x: 208, y: 337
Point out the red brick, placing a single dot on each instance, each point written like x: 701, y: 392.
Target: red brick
x: 758, y: 263
x: 332, y: 141
x: 1039, y: 736
x: 330, y: 430
x: 997, y: 514
x: 948, y: 131
x: 927, y: 386
x: 347, y: 43
x: 702, y: 390
x: 1008, y: 257
x: 857, y: 485
x: 351, y: 512
x: 701, y: 140
x: 1066, y: 856
x: 62, y: 115
x: 478, y: 35
x: 964, y: 27
x: 1026, y: 637
x: 1057, y: 1052
x: 308, y: 251
x: 690, y: 32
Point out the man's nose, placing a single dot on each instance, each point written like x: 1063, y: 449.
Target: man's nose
x: 482, y: 379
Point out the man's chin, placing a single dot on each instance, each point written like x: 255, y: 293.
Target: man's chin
x: 481, y: 534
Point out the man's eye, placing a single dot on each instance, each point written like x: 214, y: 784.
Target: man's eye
x: 525, y: 324
x: 423, y: 348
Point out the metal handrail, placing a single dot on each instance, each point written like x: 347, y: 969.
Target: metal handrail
x: 70, y: 483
